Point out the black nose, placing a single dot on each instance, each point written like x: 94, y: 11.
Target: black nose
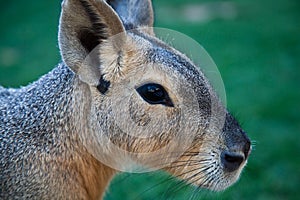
x: 231, y: 161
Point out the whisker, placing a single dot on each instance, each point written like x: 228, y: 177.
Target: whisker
x: 188, y: 180
x: 181, y: 162
x: 155, y: 186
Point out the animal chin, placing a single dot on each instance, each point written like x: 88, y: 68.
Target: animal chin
x: 228, y: 179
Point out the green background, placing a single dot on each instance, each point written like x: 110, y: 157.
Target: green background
x: 255, y: 44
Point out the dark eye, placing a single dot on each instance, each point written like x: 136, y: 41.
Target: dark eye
x: 155, y: 94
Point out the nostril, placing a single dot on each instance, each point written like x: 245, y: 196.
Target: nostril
x: 231, y: 161
x: 247, y: 149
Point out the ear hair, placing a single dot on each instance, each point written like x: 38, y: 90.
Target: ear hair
x: 91, y: 37
x: 133, y: 13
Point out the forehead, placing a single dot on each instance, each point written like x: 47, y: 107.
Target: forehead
x: 176, y: 62
x: 158, y: 52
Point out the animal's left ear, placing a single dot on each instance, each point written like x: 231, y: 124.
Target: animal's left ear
x: 85, y: 24
x: 134, y: 13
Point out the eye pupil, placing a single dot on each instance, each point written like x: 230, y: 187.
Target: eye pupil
x: 154, y: 94
x: 152, y: 88
x: 156, y: 91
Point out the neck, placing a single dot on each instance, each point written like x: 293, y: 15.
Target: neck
x: 62, y: 103
x: 95, y: 176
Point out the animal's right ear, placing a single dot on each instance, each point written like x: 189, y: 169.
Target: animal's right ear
x: 84, y: 24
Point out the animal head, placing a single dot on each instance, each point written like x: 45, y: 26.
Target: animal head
x: 144, y: 102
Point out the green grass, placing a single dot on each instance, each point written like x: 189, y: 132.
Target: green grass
x: 258, y: 54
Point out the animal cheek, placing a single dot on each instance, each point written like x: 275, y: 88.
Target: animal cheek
x: 173, y: 114
x: 138, y: 113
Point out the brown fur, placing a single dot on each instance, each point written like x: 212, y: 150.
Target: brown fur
x: 122, y: 57
x: 64, y: 138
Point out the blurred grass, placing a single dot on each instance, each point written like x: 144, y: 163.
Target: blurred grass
x: 257, y: 49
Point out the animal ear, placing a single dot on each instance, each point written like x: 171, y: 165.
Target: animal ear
x: 84, y: 24
x: 134, y: 13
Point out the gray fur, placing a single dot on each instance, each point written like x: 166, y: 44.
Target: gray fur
x: 31, y: 122
x: 47, y: 127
